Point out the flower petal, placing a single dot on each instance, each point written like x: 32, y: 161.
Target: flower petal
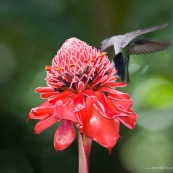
x: 115, y: 84
x: 60, y: 96
x: 103, y: 106
x: 41, y: 111
x: 48, y: 94
x: 122, y: 104
x: 64, y: 135
x: 118, y: 94
x: 44, y: 89
x: 45, y: 123
x: 66, y: 111
x: 125, y: 115
x: 129, y: 120
x: 100, y: 129
x: 78, y: 101
x: 32, y: 115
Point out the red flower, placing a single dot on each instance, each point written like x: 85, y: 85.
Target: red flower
x: 81, y: 91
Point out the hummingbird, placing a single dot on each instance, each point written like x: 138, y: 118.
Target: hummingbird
x: 128, y: 44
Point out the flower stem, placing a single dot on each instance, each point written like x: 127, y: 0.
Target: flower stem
x: 84, y: 144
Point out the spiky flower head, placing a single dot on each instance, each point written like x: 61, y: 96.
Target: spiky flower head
x: 82, y: 91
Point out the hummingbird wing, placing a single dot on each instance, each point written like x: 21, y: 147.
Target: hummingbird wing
x: 142, y: 46
x: 121, y: 65
x: 132, y: 35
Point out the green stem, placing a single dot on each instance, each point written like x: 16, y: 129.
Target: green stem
x: 84, y: 144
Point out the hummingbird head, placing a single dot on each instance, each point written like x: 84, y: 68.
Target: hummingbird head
x: 106, y: 43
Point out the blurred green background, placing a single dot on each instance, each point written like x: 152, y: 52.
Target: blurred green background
x: 31, y: 32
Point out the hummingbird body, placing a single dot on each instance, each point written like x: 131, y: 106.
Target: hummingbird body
x: 121, y: 62
x: 127, y: 44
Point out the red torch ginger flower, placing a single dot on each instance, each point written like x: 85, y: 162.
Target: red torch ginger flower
x: 82, y: 91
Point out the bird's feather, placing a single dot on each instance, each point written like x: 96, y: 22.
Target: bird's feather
x: 142, y: 46
x: 132, y: 35
x: 121, y: 65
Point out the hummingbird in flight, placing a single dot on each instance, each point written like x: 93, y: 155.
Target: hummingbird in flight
x: 128, y: 44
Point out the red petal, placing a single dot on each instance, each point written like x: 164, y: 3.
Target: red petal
x: 66, y: 111
x: 64, y: 135
x: 129, y: 120
x: 60, y: 96
x: 126, y: 115
x: 41, y: 111
x: 118, y: 94
x: 32, y: 115
x: 97, y: 79
x: 101, y: 103
x: 45, y: 123
x: 85, y: 113
x: 107, y: 78
x: 78, y: 101
x: 44, y: 89
x: 89, y: 93
x: 122, y: 104
x: 100, y: 129
x: 113, y: 107
x: 46, y: 95
x: 103, y: 106
x: 115, y: 84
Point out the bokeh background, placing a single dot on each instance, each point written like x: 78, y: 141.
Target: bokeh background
x: 31, y: 32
